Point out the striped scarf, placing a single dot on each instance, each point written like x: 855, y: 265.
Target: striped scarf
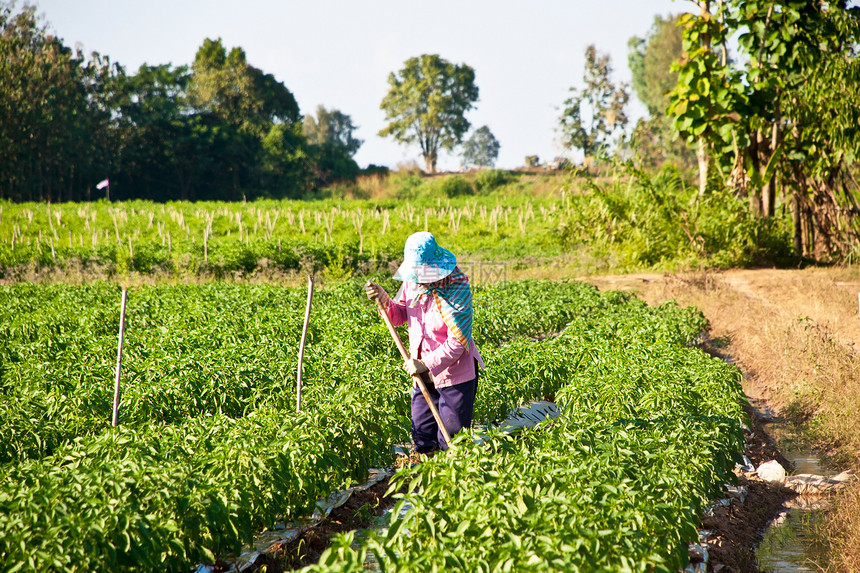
x: 454, y: 301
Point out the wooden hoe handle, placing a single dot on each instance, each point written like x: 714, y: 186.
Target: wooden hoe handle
x: 419, y: 378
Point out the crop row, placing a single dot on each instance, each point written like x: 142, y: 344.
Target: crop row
x: 225, y: 238
x: 158, y: 493
x: 212, y: 349
x: 647, y: 435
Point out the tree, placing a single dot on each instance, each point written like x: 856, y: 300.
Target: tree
x: 50, y: 124
x: 481, y: 149
x: 654, y: 141
x: 166, y: 149
x: 651, y: 59
x: 593, y: 115
x: 225, y: 84
x: 427, y: 103
x: 332, y: 127
x: 781, y: 116
x: 332, y: 145
x: 286, y: 165
x: 247, y: 103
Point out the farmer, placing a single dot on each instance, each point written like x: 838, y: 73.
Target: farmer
x: 436, y: 301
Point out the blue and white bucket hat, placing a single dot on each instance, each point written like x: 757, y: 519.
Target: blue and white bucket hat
x: 424, y: 261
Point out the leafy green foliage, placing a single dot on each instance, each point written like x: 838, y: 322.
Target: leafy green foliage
x: 651, y: 60
x: 661, y: 223
x: 481, y: 149
x: 648, y: 433
x: 775, y: 117
x: 51, y: 101
x: 630, y: 220
x: 594, y: 114
x: 211, y: 449
x: 491, y: 179
x: 426, y: 104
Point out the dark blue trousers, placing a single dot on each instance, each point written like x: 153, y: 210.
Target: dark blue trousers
x: 455, y: 405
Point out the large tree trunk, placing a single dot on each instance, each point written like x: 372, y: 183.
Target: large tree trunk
x: 702, y: 156
x: 430, y: 161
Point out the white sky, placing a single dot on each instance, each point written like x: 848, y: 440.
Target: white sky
x: 526, y: 55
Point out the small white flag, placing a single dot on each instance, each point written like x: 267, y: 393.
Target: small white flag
x: 103, y: 184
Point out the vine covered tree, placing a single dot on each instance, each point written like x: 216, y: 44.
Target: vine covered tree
x: 481, y: 149
x: 783, y: 118
x: 593, y: 115
x: 427, y: 102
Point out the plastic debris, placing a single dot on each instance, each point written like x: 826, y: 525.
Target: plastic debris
x: 529, y: 415
x: 285, y: 532
x: 737, y: 492
x: 698, y: 552
x: 747, y: 466
x: 811, y: 484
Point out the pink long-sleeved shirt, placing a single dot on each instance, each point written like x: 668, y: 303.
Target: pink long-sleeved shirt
x: 448, y: 360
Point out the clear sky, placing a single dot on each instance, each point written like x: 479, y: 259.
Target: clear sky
x: 526, y: 55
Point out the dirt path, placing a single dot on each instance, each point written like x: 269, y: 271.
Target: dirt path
x: 755, y: 309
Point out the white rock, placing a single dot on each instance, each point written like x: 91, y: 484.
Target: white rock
x: 771, y: 471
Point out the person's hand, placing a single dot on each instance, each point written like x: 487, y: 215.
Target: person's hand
x: 376, y: 293
x: 414, y: 366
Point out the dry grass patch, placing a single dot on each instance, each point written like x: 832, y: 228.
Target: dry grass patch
x: 795, y: 334
x: 839, y: 533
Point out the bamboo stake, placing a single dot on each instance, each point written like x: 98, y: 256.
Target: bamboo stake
x: 302, y: 343
x: 419, y: 378
x: 115, y: 420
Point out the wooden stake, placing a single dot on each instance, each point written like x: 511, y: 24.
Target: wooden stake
x: 302, y: 343
x: 419, y: 378
x: 115, y: 420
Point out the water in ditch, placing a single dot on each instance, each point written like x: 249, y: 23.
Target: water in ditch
x: 786, y: 547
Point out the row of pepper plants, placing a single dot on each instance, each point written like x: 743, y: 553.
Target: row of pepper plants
x: 211, y: 449
x: 649, y: 432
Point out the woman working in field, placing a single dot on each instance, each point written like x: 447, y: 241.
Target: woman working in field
x: 436, y: 301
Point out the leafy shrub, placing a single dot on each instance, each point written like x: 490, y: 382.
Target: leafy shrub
x: 405, y: 184
x: 488, y: 180
x: 453, y: 186
x: 658, y: 222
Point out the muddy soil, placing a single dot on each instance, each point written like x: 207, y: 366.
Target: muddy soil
x: 358, y: 512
